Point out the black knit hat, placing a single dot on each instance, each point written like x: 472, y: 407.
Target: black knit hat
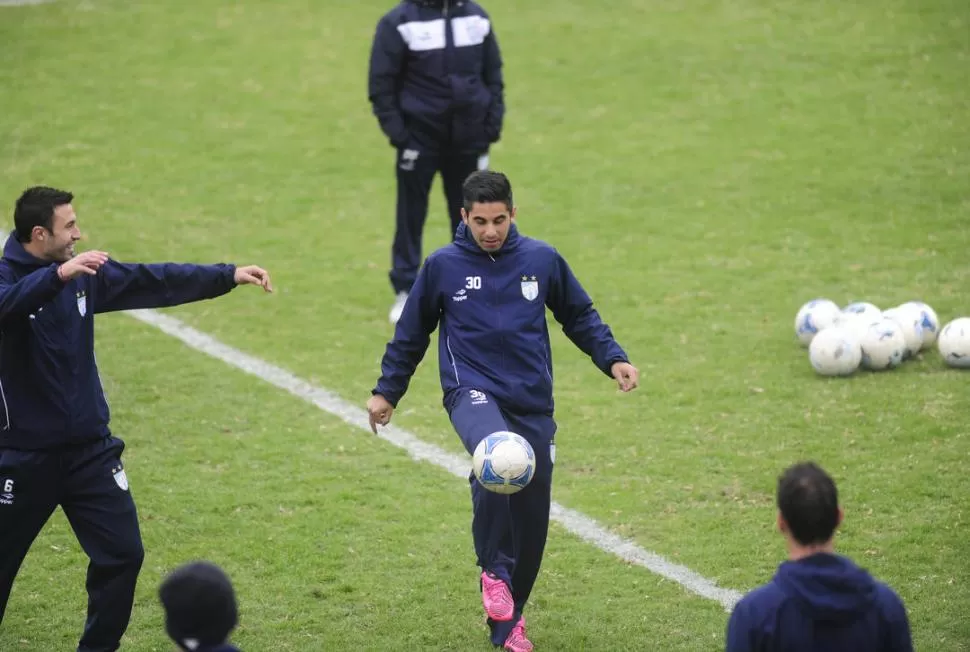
x: 200, y: 605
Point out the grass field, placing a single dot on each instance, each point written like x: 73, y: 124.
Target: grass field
x: 705, y: 167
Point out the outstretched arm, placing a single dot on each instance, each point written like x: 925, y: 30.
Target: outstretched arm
x: 572, y: 307
x: 128, y: 286
x: 405, y: 352
x: 29, y: 293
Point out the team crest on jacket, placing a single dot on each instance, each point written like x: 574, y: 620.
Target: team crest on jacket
x: 82, y: 303
x: 530, y: 288
x: 121, y: 478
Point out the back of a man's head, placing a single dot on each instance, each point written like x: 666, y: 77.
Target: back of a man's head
x: 809, y: 503
x: 200, y: 605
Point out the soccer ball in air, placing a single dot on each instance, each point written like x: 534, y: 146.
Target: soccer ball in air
x: 954, y: 343
x: 883, y: 345
x: 814, y: 316
x: 504, y: 462
x: 835, y: 352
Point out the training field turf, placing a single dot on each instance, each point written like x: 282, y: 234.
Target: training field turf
x: 705, y: 167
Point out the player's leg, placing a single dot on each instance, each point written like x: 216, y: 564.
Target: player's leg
x: 475, y: 415
x: 102, y: 513
x: 530, y: 518
x: 415, y: 173
x: 28, y: 495
x: 455, y: 168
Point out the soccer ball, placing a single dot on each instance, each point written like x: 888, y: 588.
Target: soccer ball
x: 911, y: 322
x: 504, y: 462
x: 883, y: 345
x: 954, y: 343
x: 928, y: 320
x: 863, y: 309
x: 856, y: 324
x: 835, y: 352
x: 814, y: 316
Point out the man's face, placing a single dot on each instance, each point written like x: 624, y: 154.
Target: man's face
x: 58, y: 244
x: 489, y: 224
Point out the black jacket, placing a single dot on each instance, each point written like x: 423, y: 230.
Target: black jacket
x: 435, y: 79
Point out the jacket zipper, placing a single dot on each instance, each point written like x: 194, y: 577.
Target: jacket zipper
x: 498, y: 313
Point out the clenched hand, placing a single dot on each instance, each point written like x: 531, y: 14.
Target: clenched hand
x: 253, y: 275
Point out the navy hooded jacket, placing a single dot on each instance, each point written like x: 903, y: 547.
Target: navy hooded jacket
x: 435, y: 80
x: 492, y: 312
x: 50, y: 390
x: 822, y: 603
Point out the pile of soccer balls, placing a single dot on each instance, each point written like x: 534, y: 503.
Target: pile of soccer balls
x: 840, y: 340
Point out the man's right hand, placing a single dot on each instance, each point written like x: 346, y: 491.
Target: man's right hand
x: 379, y: 411
x: 87, y: 263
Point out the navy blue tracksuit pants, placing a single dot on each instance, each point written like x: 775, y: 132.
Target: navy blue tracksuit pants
x: 415, y: 174
x: 89, y: 483
x: 509, y: 531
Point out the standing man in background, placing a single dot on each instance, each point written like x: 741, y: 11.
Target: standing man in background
x: 435, y: 85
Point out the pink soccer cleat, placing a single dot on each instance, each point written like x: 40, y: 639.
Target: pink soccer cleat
x: 517, y: 642
x: 497, y: 598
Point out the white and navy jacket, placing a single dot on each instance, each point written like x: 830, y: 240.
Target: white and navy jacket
x: 435, y: 80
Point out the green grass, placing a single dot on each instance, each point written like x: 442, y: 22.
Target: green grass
x: 704, y: 168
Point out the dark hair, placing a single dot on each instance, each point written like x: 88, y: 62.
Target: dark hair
x: 199, y: 604
x: 809, y: 503
x: 35, y: 207
x: 485, y: 187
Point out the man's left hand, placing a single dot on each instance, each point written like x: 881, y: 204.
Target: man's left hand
x: 626, y: 375
x: 252, y: 275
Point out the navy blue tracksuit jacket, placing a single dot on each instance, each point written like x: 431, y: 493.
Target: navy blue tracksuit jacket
x: 823, y: 603
x: 492, y: 313
x: 435, y: 79
x: 50, y: 390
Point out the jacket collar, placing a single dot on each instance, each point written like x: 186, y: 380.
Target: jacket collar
x: 14, y: 251
x: 465, y: 240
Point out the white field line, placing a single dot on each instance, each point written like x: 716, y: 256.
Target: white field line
x: 575, y: 522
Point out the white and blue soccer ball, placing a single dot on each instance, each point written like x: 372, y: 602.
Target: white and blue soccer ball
x: 911, y: 321
x: 504, y: 462
x: 883, y: 345
x: 863, y: 310
x: 814, y: 317
x: 835, y: 352
x: 954, y: 343
x: 928, y: 321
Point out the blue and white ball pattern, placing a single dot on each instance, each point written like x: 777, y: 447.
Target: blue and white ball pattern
x: 928, y: 321
x: 883, y: 345
x: 954, y: 343
x: 814, y: 317
x: 835, y: 352
x: 504, y: 462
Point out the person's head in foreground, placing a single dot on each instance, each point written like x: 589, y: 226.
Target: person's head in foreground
x: 200, y: 607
